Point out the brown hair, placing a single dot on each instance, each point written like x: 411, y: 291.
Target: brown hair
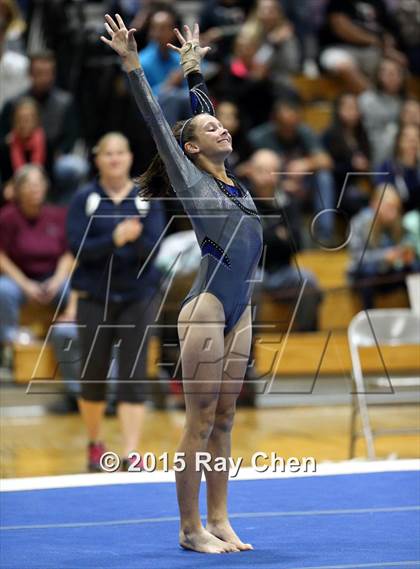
x: 154, y: 182
x: 23, y: 102
x: 399, y: 136
x: 45, y: 55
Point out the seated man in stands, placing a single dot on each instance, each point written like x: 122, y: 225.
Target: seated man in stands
x: 161, y: 66
x: 34, y: 257
x: 356, y: 35
x: 58, y: 119
x: 305, y: 165
x: 381, y: 253
x: 281, y: 225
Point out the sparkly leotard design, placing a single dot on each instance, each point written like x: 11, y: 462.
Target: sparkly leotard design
x: 224, y: 217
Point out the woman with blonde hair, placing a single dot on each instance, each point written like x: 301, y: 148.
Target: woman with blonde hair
x: 276, y: 36
x: 16, y: 25
x: 381, y: 253
x: 114, y: 237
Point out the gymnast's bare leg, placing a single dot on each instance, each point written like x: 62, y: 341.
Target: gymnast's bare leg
x: 200, y: 329
x: 237, y: 350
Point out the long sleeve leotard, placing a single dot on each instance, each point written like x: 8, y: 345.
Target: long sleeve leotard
x: 224, y: 217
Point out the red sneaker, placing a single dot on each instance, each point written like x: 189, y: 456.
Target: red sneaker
x: 95, y: 451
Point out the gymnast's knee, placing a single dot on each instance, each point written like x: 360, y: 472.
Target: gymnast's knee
x: 223, y: 421
x: 201, y: 424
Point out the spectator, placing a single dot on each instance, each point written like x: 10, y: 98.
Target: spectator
x: 220, y: 23
x: 34, y: 257
x: 305, y: 162
x: 16, y: 26
x: 25, y: 144
x: 64, y: 339
x: 410, y: 112
x: 381, y: 108
x: 409, y: 116
x: 411, y: 225
x: 140, y: 14
x: 161, y: 66
x: 59, y: 120
x: 246, y: 79
x: 356, y: 35
x: 114, y: 235
x: 307, y: 17
x: 381, y: 255
x: 407, y: 16
x: 403, y: 169
x: 228, y: 114
x: 14, y: 67
x: 281, y: 224
x: 279, y: 46
x: 347, y: 142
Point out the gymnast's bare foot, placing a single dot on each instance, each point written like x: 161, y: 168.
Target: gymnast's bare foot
x: 204, y: 542
x: 224, y: 531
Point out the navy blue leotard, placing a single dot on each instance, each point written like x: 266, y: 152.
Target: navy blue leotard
x: 224, y: 217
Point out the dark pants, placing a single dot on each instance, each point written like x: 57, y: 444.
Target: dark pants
x: 369, y: 281
x: 122, y: 327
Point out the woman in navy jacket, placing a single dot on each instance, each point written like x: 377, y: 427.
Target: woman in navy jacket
x: 114, y: 236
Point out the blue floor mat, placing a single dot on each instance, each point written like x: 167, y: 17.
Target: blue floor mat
x: 334, y: 522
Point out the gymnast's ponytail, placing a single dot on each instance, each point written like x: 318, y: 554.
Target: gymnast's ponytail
x: 154, y: 182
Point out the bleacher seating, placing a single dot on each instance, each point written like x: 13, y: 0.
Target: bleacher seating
x: 324, y: 88
x: 340, y: 304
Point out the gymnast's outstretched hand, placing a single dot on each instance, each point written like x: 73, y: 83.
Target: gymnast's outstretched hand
x: 122, y: 41
x: 190, y: 51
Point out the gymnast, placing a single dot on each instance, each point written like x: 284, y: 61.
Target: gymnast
x: 214, y: 324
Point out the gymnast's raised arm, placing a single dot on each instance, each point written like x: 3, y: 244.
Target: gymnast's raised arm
x: 181, y: 171
x: 191, y: 54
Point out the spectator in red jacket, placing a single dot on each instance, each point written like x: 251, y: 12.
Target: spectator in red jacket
x: 26, y: 142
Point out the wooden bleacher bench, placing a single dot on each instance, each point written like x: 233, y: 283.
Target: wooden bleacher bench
x: 325, y: 351
x: 322, y: 88
x: 36, y: 318
x: 322, y: 353
x: 340, y: 303
x: 318, y: 116
x: 36, y: 360
x: 338, y: 307
x: 327, y: 88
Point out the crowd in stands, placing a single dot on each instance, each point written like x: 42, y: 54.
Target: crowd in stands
x: 61, y: 92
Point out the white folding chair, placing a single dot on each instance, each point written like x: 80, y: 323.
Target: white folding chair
x: 370, y: 328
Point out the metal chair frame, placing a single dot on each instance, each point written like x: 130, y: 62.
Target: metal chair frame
x: 369, y: 328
